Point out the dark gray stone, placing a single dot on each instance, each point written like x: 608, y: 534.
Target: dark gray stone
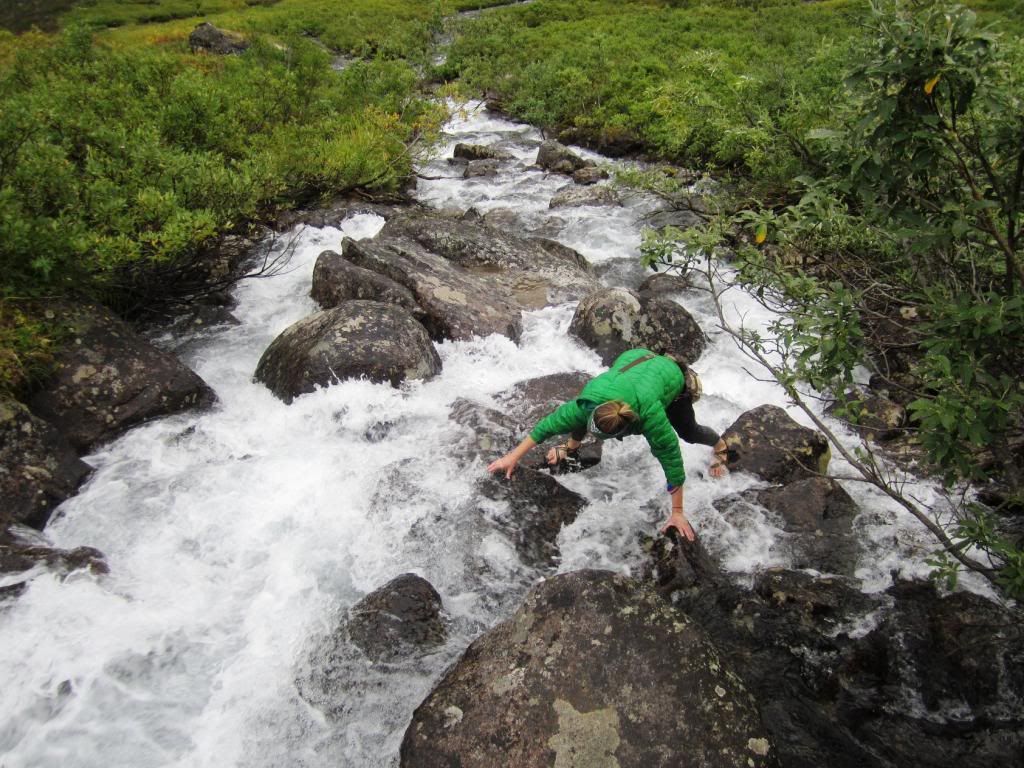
x: 576, y: 196
x: 402, y: 617
x: 476, y: 169
x: 382, y: 342
x: 556, y: 157
x: 108, y: 378
x: 593, y: 670
x: 592, y: 175
x: 38, y: 468
x: 337, y: 280
x: 612, y: 320
x: 472, y: 152
x: 663, y: 284
x: 207, y: 38
x: 772, y: 446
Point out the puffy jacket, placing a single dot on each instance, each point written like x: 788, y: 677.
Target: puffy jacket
x: 648, y: 388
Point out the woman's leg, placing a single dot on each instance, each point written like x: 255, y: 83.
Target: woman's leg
x: 684, y: 421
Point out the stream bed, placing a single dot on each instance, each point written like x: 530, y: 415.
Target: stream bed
x: 238, y: 537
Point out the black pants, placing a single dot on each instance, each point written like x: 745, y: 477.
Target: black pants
x: 683, y: 420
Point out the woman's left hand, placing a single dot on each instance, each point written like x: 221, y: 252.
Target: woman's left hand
x: 506, y: 464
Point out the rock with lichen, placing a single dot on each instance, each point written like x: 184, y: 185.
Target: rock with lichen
x: 613, y: 320
x: 380, y: 342
x: 593, y: 671
x: 769, y: 444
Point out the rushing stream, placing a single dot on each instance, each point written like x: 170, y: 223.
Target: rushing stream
x: 237, y: 537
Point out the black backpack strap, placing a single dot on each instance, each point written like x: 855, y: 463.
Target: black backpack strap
x: 639, y: 360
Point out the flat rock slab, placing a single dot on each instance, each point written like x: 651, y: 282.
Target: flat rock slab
x: 593, y: 671
x: 108, y: 378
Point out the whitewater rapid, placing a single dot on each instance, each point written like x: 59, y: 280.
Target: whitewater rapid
x: 238, y: 537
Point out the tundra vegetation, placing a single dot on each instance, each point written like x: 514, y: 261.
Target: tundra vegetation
x: 868, y: 155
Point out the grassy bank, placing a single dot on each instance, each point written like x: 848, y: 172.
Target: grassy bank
x: 124, y: 152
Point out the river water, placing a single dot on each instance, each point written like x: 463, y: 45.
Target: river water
x: 238, y: 537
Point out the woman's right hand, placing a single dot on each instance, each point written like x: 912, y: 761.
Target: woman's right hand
x: 506, y: 464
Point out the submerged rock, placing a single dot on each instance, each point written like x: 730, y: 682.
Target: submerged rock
x: 382, y: 342
x: 24, y: 550
x: 772, y: 446
x: 38, y: 468
x: 402, y: 617
x: 593, y: 670
x: 108, y: 378
x: 612, y: 320
x: 538, y: 507
x: 481, y: 169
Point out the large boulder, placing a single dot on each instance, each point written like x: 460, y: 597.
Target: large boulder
x: 532, y: 272
x: 108, y: 378
x: 382, y: 342
x: 612, y: 320
x: 593, y: 670
x: 38, y: 468
x: 337, y: 280
x: 479, y: 152
x: 772, y: 446
x: 207, y: 38
x: 476, y: 169
x: 558, y: 158
x: 576, y: 196
x: 455, y: 303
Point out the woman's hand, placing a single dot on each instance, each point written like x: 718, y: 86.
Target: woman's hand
x: 506, y: 464
x: 719, y: 461
x: 678, y: 521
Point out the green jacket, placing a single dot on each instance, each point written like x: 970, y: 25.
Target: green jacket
x: 648, y: 388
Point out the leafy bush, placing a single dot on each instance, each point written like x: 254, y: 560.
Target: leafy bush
x: 113, y: 158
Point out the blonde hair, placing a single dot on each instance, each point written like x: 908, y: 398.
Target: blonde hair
x: 613, y: 417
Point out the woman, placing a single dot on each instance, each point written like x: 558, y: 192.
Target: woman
x: 641, y: 394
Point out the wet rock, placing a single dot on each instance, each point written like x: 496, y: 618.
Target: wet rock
x: 851, y: 680
x: 775, y: 448
x: 818, y: 514
x: 875, y: 416
x: 481, y: 169
x: 108, y: 378
x: 502, y: 219
x: 663, y: 283
x: 384, y: 343
x: 402, y: 617
x: 479, y: 152
x: 574, y: 197
x: 593, y: 670
x: 556, y: 157
x: 208, y: 39
x: 591, y: 175
x: 395, y: 626
x: 468, y: 278
x: 534, y: 271
x: 337, y: 280
x: 539, y: 506
x: 612, y: 320
x: 455, y: 303
x: 38, y: 468
x: 24, y: 550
